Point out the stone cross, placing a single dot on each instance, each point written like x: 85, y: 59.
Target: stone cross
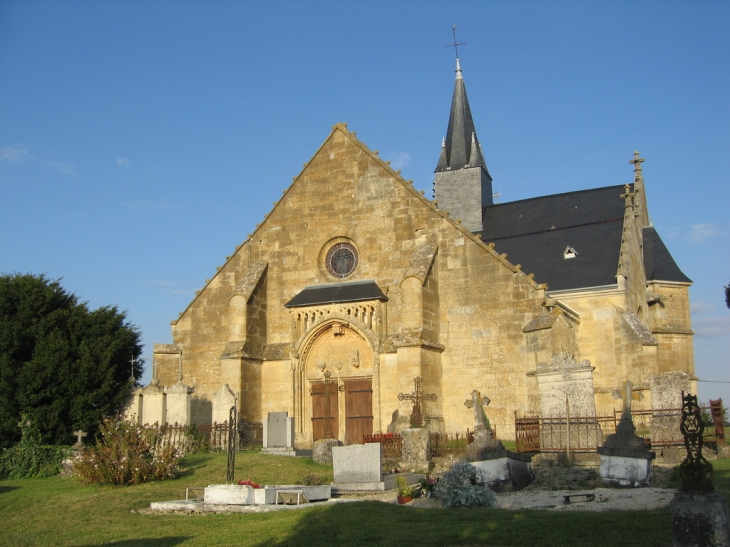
x: 417, y: 397
x: 476, y: 403
x: 132, y: 361
x: 637, y: 161
x: 627, y: 394
x: 79, y: 435
x: 496, y: 197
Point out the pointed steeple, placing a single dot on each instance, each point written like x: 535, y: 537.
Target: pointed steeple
x: 462, y: 144
x: 462, y: 184
x: 640, y: 190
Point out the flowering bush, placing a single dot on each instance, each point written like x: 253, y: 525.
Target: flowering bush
x: 128, y: 453
x: 464, y: 486
x: 248, y: 482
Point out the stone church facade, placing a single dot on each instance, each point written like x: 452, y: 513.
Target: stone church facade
x: 357, y: 275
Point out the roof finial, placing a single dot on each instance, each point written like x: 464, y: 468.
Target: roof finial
x: 456, y: 45
x: 637, y: 161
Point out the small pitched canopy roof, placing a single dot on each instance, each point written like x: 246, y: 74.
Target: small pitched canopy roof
x: 461, y: 147
x: 354, y: 291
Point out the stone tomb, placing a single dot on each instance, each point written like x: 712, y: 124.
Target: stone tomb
x: 243, y: 494
x: 502, y: 468
x: 358, y: 467
x: 279, y: 434
x: 625, y: 461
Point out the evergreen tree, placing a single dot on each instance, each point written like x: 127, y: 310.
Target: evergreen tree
x: 62, y: 365
x: 727, y: 295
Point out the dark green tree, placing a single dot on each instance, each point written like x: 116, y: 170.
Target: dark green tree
x: 62, y: 365
x: 727, y: 295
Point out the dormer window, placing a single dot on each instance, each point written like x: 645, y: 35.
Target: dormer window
x: 569, y: 252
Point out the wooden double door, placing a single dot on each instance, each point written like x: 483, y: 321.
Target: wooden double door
x: 358, y: 395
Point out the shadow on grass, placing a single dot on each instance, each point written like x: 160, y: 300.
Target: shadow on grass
x: 4, y: 489
x: 145, y: 542
x: 373, y: 523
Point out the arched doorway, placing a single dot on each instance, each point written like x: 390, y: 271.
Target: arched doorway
x: 335, y: 384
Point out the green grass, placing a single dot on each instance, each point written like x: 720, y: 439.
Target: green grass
x: 62, y: 511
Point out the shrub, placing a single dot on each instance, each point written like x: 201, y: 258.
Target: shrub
x: 464, y: 486
x: 312, y: 480
x: 128, y: 453
x: 29, y: 458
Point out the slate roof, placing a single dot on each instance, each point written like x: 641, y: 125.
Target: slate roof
x: 354, y: 291
x: 658, y: 263
x: 535, y: 233
x: 461, y: 147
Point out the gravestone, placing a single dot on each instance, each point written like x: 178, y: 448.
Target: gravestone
x: 154, y: 405
x: 322, y: 450
x: 625, y: 460
x: 666, y: 390
x: 358, y: 467
x: 279, y: 434
x: 178, y: 403
x: 565, y: 379
x: 416, y: 450
x: 700, y: 515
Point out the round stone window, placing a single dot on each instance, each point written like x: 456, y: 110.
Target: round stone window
x: 341, y: 260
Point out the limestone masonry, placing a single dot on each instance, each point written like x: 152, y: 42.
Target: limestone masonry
x: 356, y: 273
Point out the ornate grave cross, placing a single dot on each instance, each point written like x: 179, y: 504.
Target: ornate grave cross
x: 232, y: 434
x: 695, y: 470
x: 329, y: 389
x: 476, y: 403
x: 417, y: 397
x: 79, y: 435
x: 627, y: 394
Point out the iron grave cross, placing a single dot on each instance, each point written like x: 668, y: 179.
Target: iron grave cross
x: 627, y: 394
x: 417, y: 397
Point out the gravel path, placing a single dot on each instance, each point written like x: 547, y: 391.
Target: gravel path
x: 552, y: 484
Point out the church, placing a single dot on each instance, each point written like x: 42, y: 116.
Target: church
x: 356, y: 287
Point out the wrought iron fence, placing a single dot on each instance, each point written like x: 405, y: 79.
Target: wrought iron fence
x: 658, y: 427
x: 209, y: 437
x: 535, y: 433
x: 451, y: 444
x: 391, y: 444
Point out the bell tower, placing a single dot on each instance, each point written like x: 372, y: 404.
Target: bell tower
x: 462, y: 184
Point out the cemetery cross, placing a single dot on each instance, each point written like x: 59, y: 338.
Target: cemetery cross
x: 417, y: 397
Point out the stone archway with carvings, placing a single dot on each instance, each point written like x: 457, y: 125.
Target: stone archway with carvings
x: 343, y: 350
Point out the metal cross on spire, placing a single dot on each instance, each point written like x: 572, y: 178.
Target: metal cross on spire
x: 455, y: 44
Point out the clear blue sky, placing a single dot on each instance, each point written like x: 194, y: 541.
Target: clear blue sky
x: 141, y: 141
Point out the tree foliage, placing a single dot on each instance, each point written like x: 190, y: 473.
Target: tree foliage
x: 62, y: 365
x: 727, y: 295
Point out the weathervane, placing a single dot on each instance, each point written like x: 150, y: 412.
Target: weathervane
x: 455, y: 45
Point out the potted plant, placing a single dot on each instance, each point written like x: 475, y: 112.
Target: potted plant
x: 406, y: 493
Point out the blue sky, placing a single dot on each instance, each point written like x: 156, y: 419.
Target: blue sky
x: 141, y: 141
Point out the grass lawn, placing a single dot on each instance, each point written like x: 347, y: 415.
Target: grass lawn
x: 62, y: 511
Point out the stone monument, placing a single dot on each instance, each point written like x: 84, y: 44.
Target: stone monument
x: 279, y: 434
x: 178, y: 400
x: 625, y: 460
x: 700, y: 515
x: 502, y: 468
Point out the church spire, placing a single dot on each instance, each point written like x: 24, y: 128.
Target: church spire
x: 462, y: 184
x: 462, y: 143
